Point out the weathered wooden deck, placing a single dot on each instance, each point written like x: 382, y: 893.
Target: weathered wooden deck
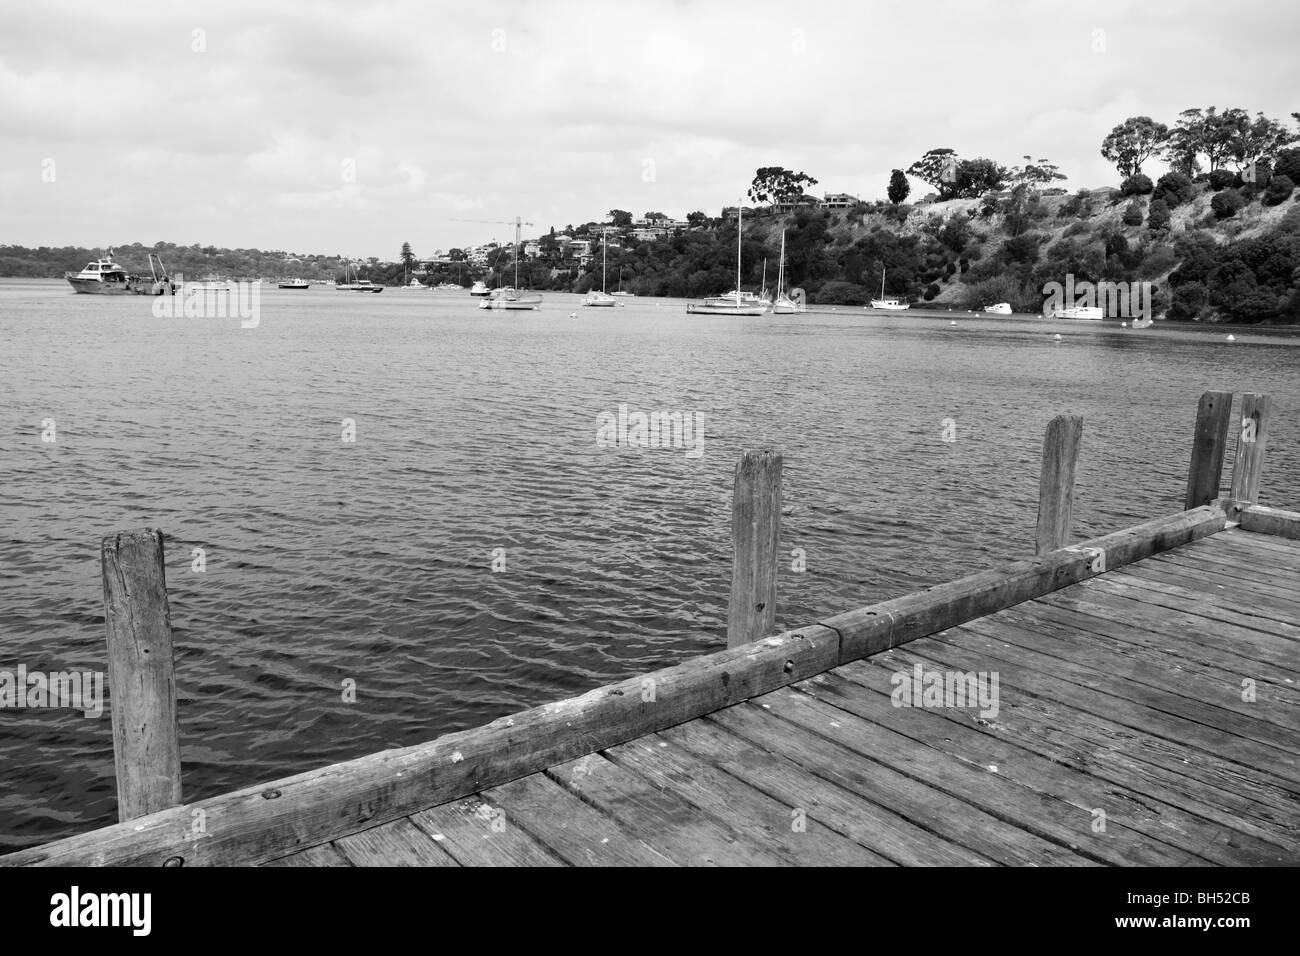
x: 1121, y: 694
x: 1146, y: 714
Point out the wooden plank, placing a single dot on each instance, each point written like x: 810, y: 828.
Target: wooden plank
x: 1255, y: 592
x: 1247, y: 798
x: 399, y: 843
x: 1046, y: 816
x: 1056, y: 483
x: 870, y: 629
x: 141, y: 678
x: 569, y: 828
x: 1249, y: 462
x: 272, y: 820
x: 1176, y: 727
x: 1117, y: 599
x: 1028, y: 743
x: 908, y: 793
x: 1144, y: 679
x: 1061, y: 629
x: 475, y: 833
x: 676, y: 828
x: 744, y: 808
x: 1273, y: 521
x: 1209, y: 448
x: 755, y: 534
x: 324, y: 855
x: 1130, y: 815
x: 882, y: 829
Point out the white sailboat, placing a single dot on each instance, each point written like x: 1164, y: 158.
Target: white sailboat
x: 735, y: 302
x: 601, y: 299
x: 889, y: 305
x: 510, y: 297
x: 784, y: 305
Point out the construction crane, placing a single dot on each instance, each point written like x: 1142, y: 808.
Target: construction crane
x: 498, y: 222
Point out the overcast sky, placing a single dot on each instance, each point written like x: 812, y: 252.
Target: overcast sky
x: 352, y: 127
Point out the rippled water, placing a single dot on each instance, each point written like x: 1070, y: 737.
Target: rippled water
x: 475, y: 430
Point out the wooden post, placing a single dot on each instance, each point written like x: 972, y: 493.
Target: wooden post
x: 1209, y: 449
x: 1249, y: 463
x: 1056, y: 482
x: 755, y: 533
x: 137, y: 621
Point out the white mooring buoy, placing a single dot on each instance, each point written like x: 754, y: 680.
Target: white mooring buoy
x: 1232, y: 338
x: 1056, y: 337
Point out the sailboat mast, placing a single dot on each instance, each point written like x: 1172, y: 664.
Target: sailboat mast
x: 604, y: 258
x: 740, y: 215
x: 517, y: 225
x: 780, y: 269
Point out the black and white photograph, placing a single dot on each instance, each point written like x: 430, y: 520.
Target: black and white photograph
x: 673, y: 433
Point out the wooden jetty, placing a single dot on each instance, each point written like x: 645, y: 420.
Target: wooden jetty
x: 1146, y: 714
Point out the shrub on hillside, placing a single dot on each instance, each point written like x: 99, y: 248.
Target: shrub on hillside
x: 1288, y: 164
x: 1174, y: 188
x: 931, y: 291
x: 1279, y: 190
x: 1221, y: 179
x: 1021, y: 248
x: 1136, y: 185
x: 1227, y: 203
x: 1158, y: 216
x: 1133, y: 214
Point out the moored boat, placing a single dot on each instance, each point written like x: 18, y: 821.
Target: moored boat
x: 601, y: 299
x: 101, y: 277
x: 887, y: 305
x: 997, y: 308
x: 510, y: 298
x: 735, y: 302
x: 479, y: 288
x: 784, y: 305
x: 1089, y: 313
x: 295, y: 284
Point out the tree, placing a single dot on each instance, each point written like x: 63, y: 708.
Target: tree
x: 1158, y: 216
x: 1035, y: 174
x: 654, y: 215
x: 776, y: 184
x: 696, y: 218
x: 898, y: 187
x: 620, y: 218
x: 975, y: 177
x: 457, y: 255
x: 1253, y: 141
x: 1288, y: 164
x: 1132, y: 143
x: 1136, y: 185
x: 1174, y: 188
x: 1207, y: 133
x: 1227, y: 203
x: 938, y: 167
x: 1279, y: 190
x: 408, y: 257
x: 1133, y: 214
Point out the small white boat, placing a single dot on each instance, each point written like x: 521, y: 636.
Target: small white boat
x: 101, y: 277
x: 717, y: 307
x: 365, y: 285
x: 512, y: 299
x: 415, y: 285
x: 448, y: 287
x: 601, y: 300
x: 630, y: 295
x: 998, y: 308
x: 784, y: 305
x: 888, y: 305
x: 479, y: 288
x: 1090, y: 313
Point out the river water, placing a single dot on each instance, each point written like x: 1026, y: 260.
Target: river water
x: 371, y: 561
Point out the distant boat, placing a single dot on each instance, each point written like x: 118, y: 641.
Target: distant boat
x: 1088, y: 313
x: 448, y: 287
x: 365, y: 285
x: 296, y: 284
x: 1143, y: 323
x: 889, y: 305
x: 631, y: 295
x: 101, y: 277
x: 601, y: 299
x: 510, y: 297
x: 784, y: 305
x: 415, y: 285
x: 736, y: 302
x: 997, y: 308
x: 479, y: 288
x: 347, y: 285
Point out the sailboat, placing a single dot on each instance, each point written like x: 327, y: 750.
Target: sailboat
x: 601, y: 299
x: 735, y: 302
x: 889, y: 305
x: 414, y: 285
x: 784, y: 305
x: 620, y: 285
x: 511, y: 297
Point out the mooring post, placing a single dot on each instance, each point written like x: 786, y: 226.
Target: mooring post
x: 1209, y: 447
x: 755, y: 534
x: 141, y: 679
x: 1056, y: 482
x: 1249, y: 463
